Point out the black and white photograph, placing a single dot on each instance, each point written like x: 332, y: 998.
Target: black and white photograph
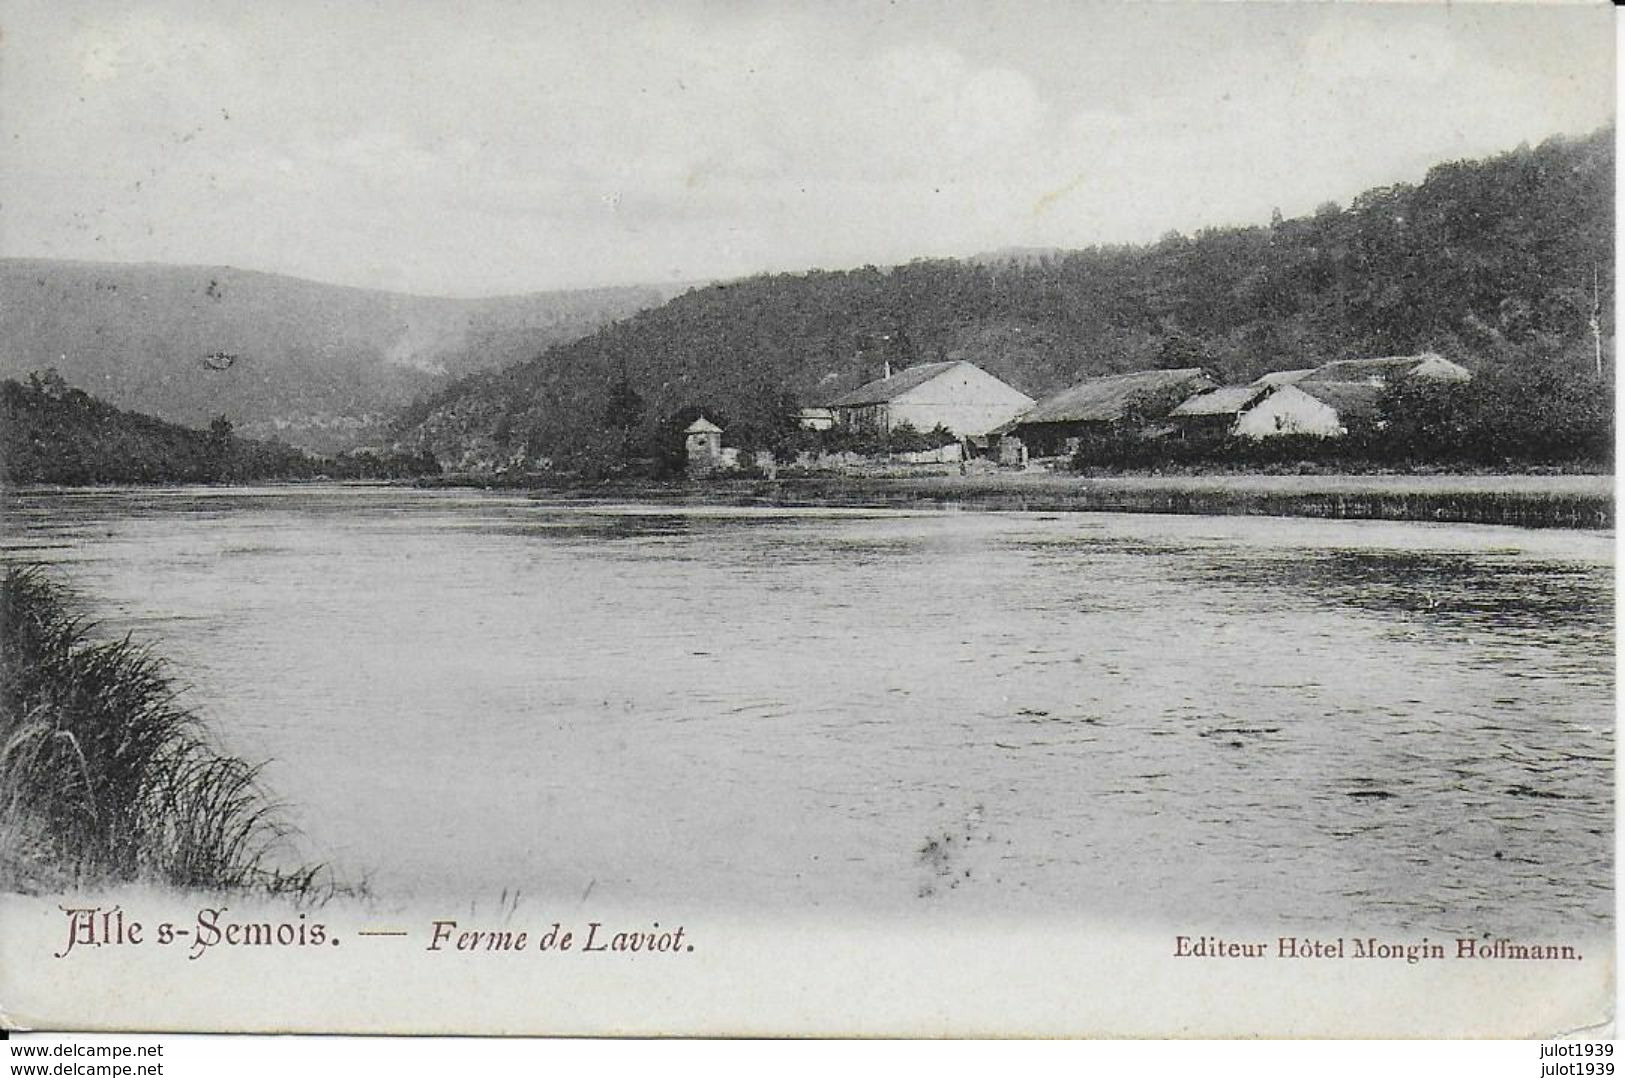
x: 712, y: 518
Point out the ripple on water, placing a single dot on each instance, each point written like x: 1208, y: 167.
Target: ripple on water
x: 1406, y: 727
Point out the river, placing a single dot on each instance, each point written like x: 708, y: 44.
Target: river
x: 1343, y: 724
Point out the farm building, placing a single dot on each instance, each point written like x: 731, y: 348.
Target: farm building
x: 707, y: 455
x: 1324, y: 409
x: 957, y: 395
x: 1322, y: 402
x: 703, y: 443
x: 1379, y: 372
x: 1055, y: 425
x: 1215, y: 411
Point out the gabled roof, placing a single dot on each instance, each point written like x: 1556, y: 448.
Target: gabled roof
x: 1347, y: 399
x: 1382, y: 368
x: 1283, y: 378
x: 1106, y: 400
x: 885, y: 389
x: 1226, y: 400
x: 702, y: 425
x: 1437, y: 367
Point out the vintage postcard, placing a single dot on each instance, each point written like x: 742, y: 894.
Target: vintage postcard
x: 709, y: 518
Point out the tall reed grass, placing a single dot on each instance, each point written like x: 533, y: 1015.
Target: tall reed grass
x: 105, y: 777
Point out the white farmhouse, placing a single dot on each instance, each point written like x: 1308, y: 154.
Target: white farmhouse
x: 957, y: 395
x: 1324, y: 409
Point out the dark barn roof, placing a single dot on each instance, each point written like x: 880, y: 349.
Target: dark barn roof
x: 1226, y: 400
x: 1284, y: 378
x: 1351, y: 400
x: 1110, y: 399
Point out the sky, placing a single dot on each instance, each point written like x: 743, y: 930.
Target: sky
x: 481, y: 147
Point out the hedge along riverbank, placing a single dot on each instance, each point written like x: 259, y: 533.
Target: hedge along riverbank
x: 1524, y: 501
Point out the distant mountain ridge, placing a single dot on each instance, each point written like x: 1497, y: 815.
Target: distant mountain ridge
x: 316, y: 364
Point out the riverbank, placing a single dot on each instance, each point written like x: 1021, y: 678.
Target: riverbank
x: 1558, y: 500
x: 107, y: 778
x: 1526, y: 501
x: 1534, y: 501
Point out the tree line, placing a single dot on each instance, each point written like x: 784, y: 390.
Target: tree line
x: 51, y: 432
x: 1503, y: 264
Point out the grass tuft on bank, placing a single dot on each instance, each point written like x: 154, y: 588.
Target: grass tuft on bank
x: 106, y: 778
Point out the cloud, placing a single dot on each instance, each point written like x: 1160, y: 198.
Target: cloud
x: 521, y: 146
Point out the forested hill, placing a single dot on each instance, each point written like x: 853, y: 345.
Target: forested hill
x: 51, y: 432
x: 1489, y: 262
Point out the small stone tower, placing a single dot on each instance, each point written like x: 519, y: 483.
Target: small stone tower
x: 704, y: 445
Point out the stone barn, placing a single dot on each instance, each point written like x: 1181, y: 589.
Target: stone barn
x: 1057, y: 425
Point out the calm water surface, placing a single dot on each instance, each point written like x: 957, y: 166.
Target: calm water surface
x: 1340, y: 724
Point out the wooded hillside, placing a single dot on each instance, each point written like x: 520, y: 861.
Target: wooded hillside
x: 51, y: 432
x: 1494, y: 263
